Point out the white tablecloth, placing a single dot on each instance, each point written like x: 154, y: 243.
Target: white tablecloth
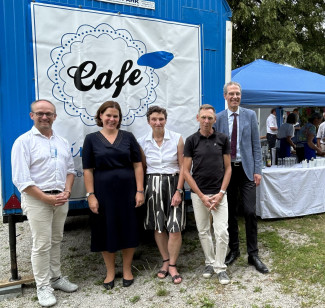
x: 290, y: 192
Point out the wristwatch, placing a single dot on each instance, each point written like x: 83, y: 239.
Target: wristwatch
x: 88, y: 194
x: 223, y: 191
x: 180, y: 190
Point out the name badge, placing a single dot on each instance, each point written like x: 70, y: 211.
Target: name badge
x: 54, y: 152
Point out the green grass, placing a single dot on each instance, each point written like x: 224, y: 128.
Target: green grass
x: 206, y: 302
x: 182, y: 290
x: 162, y: 292
x: 134, y: 299
x: 293, y: 261
x: 299, y: 265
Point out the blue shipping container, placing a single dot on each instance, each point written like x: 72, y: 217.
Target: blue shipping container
x: 21, y: 69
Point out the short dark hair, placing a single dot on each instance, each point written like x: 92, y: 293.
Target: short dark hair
x: 292, y: 118
x: 206, y: 107
x: 274, y: 109
x: 157, y: 109
x: 314, y: 116
x: 296, y: 109
x: 102, y: 109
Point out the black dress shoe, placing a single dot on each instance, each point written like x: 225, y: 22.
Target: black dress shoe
x: 259, y: 265
x: 232, y: 256
x: 127, y: 283
x: 109, y: 285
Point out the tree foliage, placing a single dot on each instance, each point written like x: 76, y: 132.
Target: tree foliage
x: 282, y: 31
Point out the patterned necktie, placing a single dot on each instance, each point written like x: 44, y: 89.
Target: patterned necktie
x: 233, y: 143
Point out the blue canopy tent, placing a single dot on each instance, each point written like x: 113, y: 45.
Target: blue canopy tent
x: 267, y: 84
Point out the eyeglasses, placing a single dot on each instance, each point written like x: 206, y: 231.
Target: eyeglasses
x: 42, y: 114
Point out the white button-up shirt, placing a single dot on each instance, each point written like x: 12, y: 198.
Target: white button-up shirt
x: 41, y: 161
x: 321, y: 133
x: 161, y: 159
x: 271, y: 122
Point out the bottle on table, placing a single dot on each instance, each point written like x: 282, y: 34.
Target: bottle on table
x: 263, y: 159
x: 268, y: 159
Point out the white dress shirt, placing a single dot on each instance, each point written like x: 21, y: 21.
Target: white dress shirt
x: 321, y: 133
x: 41, y: 161
x: 271, y: 122
x: 230, y: 123
x: 161, y: 159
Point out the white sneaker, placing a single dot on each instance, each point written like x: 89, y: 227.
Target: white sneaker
x: 45, y: 296
x: 208, y: 271
x: 223, y: 277
x: 64, y: 285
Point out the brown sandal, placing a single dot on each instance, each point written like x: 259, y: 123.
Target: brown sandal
x: 176, y: 276
x: 163, y: 272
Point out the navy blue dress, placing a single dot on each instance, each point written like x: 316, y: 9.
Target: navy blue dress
x: 115, y: 227
x: 285, y: 148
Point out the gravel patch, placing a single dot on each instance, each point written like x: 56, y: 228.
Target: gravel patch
x: 248, y: 288
x: 294, y: 238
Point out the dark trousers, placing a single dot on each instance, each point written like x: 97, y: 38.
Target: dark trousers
x: 271, y: 140
x: 239, y: 183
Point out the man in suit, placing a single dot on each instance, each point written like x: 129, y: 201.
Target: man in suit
x: 241, y: 126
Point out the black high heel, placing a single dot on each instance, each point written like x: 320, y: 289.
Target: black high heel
x: 109, y: 285
x: 127, y: 283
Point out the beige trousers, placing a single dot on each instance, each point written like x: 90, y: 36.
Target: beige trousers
x: 46, y: 225
x: 213, y: 256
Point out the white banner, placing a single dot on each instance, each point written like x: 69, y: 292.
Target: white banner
x: 138, y: 3
x: 83, y: 58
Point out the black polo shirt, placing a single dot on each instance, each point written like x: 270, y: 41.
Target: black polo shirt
x: 207, y: 157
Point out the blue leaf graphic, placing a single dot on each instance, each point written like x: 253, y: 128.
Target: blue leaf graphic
x: 157, y: 59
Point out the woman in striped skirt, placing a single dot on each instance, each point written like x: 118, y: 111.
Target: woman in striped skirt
x: 164, y: 197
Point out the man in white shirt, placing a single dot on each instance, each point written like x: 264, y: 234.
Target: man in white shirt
x: 321, y: 135
x: 43, y: 172
x: 271, y: 129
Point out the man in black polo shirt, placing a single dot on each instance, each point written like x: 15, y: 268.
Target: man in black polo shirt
x: 209, y: 151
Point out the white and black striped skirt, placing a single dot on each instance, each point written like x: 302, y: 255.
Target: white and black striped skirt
x: 160, y: 215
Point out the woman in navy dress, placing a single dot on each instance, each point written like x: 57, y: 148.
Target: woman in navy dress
x: 113, y: 176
